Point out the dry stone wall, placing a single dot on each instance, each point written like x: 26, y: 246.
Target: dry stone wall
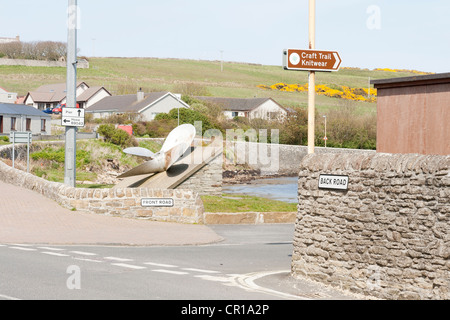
x: 387, y: 236
x: 187, y: 204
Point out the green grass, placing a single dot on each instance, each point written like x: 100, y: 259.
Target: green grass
x: 243, y: 203
x: 126, y: 75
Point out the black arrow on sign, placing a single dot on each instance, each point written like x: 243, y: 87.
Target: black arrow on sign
x: 65, y: 120
x: 79, y: 112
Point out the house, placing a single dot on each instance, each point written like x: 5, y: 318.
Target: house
x: 9, y: 40
x: 7, y: 97
x: 52, y: 95
x: 148, y: 105
x: 255, y: 108
x: 19, y: 117
x: 413, y: 114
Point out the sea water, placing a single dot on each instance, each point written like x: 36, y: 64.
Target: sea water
x: 283, y: 189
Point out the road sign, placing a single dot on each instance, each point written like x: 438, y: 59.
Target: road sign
x: 311, y: 60
x: 72, y: 117
x: 20, y: 137
x: 333, y: 182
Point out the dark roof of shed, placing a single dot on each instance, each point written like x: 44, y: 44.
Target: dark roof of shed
x: 20, y: 109
x: 126, y: 103
x: 412, y: 81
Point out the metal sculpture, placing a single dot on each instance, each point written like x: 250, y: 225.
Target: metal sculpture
x: 174, y: 147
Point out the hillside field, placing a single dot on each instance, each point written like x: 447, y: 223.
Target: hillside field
x: 240, y: 80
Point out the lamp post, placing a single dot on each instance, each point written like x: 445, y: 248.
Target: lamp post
x: 71, y: 131
x: 312, y: 78
x: 325, y: 138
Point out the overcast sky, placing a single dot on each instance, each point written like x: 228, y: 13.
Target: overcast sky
x: 402, y: 34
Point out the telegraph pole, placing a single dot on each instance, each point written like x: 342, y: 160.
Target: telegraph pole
x: 312, y: 79
x: 71, y: 133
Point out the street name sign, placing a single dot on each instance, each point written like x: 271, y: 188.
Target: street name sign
x: 157, y: 202
x: 72, y: 117
x: 333, y: 182
x: 311, y: 60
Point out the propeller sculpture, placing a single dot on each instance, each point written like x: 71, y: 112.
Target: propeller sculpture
x: 175, y: 145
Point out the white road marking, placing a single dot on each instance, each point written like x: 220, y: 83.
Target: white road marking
x: 8, y: 297
x: 88, y: 260
x: 124, y: 265
x: 247, y: 282
x: 56, y: 254
x: 23, y: 248
x: 170, y: 271
x: 51, y: 249
x: 81, y: 253
x: 160, y: 265
x: 200, y: 270
x: 118, y: 259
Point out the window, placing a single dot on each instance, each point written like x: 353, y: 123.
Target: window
x: 43, y: 125
x: 13, y: 124
x: 234, y: 114
x: 28, y: 124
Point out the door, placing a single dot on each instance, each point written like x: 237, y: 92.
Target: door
x: 1, y: 124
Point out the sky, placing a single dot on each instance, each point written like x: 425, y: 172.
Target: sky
x: 397, y: 34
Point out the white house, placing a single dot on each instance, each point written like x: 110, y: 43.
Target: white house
x: 7, y: 97
x: 255, y: 108
x: 19, y: 117
x: 148, y: 105
x: 50, y: 96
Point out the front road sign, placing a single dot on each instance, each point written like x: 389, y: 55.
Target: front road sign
x: 311, y: 60
x: 72, y: 117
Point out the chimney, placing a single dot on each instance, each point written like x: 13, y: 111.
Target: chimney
x: 140, y: 95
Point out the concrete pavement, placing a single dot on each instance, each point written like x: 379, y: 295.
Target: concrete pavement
x: 28, y: 217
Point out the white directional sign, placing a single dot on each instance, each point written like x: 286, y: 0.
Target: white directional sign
x: 334, y: 182
x: 72, y: 117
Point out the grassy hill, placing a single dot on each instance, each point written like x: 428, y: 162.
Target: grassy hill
x: 126, y: 75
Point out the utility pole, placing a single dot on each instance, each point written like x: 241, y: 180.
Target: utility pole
x: 71, y: 133
x: 312, y: 78
x: 221, y: 60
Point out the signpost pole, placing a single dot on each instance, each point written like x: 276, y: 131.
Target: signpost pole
x: 312, y: 78
x: 14, y: 147
x: 70, y: 148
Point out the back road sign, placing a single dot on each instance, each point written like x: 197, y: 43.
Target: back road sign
x: 311, y: 60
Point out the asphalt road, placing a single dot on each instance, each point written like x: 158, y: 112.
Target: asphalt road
x: 252, y: 263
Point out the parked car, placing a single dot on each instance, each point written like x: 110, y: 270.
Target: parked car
x: 57, y: 110
x: 48, y: 110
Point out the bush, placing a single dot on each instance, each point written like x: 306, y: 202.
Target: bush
x: 116, y: 136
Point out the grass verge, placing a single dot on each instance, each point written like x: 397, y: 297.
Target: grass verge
x: 242, y: 203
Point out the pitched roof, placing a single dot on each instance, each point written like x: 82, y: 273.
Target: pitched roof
x: 127, y: 103
x: 89, y: 93
x: 236, y: 104
x: 21, y: 109
x: 51, y: 92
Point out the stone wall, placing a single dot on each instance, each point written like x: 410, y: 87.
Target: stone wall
x: 275, y: 159
x: 187, y: 208
x: 208, y: 180
x: 82, y: 64
x: 387, y: 236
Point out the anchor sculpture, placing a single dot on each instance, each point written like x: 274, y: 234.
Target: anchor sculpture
x: 174, y: 147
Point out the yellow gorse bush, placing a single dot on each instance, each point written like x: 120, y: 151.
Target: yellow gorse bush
x: 403, y: 70
x: 355, y: 94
